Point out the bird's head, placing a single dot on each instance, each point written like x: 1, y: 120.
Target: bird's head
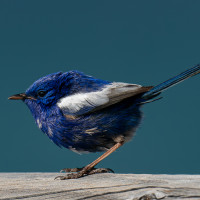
x: 47, y: 90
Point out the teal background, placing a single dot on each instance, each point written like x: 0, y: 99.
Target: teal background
x: 144, y: 42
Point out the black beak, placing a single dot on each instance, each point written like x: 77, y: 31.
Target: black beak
x: 21, y: 96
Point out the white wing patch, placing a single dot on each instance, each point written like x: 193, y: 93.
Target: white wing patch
x: 84, y: 102
x: 75, y: 102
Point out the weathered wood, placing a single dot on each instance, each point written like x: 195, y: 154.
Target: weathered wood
x: 101, y: 186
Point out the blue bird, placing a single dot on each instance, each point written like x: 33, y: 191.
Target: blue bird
x: 85, y: 114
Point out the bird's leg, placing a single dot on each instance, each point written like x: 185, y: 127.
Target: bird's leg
x: 89, y: 169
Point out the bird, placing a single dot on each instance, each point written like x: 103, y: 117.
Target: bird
x: 86, y: 114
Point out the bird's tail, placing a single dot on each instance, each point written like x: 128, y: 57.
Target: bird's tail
x: 171, y: 82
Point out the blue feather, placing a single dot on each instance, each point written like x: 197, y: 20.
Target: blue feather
x: 171, y: 82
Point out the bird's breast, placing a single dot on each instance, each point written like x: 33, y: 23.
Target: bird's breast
x: 93, y: 132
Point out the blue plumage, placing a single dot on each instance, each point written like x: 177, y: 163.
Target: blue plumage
x: 89, y: 132
x: 172, y: 81
x: 85, y: 114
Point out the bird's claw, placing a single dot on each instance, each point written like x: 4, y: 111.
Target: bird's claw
x: 100, y: 170
x: 71, y: 169
x: 81, y: 172
x: 68, y: 176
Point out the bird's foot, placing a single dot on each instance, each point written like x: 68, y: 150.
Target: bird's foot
x: 71, y: 169
x: 81, y: 172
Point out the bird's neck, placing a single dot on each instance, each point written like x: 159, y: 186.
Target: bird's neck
x: 40, y: 112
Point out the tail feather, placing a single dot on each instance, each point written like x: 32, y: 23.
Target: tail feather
x: 171, y: 82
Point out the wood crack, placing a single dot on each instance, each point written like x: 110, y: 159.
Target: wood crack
x: 42, y: 186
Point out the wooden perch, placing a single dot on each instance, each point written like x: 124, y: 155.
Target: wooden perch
x: 99, y: 187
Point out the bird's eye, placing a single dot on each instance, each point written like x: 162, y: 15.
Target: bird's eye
x: 41, y: 93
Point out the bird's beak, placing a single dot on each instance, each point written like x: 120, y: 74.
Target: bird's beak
x: 21, y: 96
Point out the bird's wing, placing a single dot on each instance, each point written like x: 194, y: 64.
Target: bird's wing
x: 82, y: 103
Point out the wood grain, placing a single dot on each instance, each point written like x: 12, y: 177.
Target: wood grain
x: 100, y: 186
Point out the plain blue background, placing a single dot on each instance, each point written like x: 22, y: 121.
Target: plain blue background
x: 144, y: 42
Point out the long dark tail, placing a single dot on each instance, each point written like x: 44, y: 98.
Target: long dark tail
x: 171, y: 82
